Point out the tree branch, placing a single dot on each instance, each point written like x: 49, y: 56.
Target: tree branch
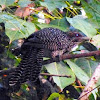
x: 60, y: 58
x: 91, y: 84
x: 71, y: 56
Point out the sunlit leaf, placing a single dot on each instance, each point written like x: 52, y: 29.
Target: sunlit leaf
x: 82, y: 25
x: 16, y: 28
x: 58, y: 24
x: 92, y: 9
x: 61, y: 23
x: 81, y: 75
x: 24, y: 3
x: 52, y: 4
x: 87, y: 65
x: 6, y: 2
x: 61, y: 69
x: 96, y: 40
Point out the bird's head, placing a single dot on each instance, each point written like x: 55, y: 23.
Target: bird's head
x: 77, y: 37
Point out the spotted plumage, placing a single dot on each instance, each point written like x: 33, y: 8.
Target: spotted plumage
x: 52, y: 39
x: 46, y: 42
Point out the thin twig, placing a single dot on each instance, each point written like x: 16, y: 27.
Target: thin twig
x: 88, y: 92
x: 68, y: 76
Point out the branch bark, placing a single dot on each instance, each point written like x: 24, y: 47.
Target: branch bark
x: 62, y: 57
x: 71, y: 56
x: 55, y: 75
x: 90, y: 85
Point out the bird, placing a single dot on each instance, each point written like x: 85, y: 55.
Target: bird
x: 52, y: 40
x: 48, y: 42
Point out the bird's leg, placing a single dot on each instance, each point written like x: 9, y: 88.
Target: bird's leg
x: 57, y: 52
x: 56, y: 55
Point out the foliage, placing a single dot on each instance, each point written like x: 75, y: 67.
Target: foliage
x: 21, y: 18
x: 51, y: 4
x: 61, y: 69
x: 92, y: 6
x: 84, y: 25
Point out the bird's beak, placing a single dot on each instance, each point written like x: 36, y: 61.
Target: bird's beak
x: 80, y: 39
x: 85, y: 38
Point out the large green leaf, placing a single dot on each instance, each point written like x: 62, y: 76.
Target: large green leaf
x: 92, y: 10
x: 61, y: 69
x: 80, y: 23
x: 61, y: 24
x: 6, y: 2
x: 52, y: 4
x: 16, y: 28
x: 50, y: 25
x: 24, y: 3
x: 87, y: 65
x: 81, y: 75
x: 96, y: 40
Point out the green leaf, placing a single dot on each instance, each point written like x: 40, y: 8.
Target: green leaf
x: 81, y: 75
x: 92, y: 10
x: 61, y: 69
x: 91, y: 97
x: 24, y: 3
x: 50, y: 25
x: 63, y: 97
x: 53, y: 96
x: 80, y: 23
x: 6, y: 2
x: 16, y: 28
x: 52, y: 4
x: 96, y: 40
x: 87, y: 65
x: 62, y: 23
